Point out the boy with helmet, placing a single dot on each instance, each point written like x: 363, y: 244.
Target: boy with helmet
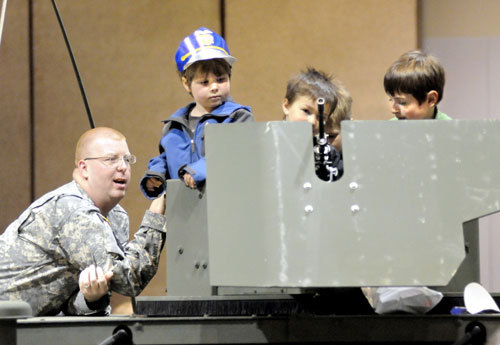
x: 204, y: 65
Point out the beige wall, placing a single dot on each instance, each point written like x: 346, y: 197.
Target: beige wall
x: 354, y: 40
x: 124, y: 50
x: 15, y: 180
x: 462, y: 18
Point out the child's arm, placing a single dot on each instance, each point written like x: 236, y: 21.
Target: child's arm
x: 195, y: 173
x: 153, y: 183
x: 242, y: 115
x: 189, y: 180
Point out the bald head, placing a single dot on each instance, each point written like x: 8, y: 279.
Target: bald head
x: 89, y: 140
x: 105, y: 184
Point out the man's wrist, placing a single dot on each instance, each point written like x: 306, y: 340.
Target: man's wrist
x: 101, y: 303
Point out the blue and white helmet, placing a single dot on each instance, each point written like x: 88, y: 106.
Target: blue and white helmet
x: 203, y: 44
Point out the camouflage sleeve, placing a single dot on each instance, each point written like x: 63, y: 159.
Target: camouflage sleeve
x: 142, y: 254
x: 77, y: 305
x: 86, y: 236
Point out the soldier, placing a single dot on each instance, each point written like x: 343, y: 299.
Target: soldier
x: 71, y: 247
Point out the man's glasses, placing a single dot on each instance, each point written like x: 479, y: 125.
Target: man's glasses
x: 114, y: 161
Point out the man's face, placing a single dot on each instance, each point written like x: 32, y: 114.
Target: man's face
x: 107, y: 182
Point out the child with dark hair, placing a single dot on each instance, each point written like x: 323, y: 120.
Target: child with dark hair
x: 204, y: 65
x: 415, y: 84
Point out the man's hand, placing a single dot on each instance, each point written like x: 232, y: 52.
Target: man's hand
x: 189, y: 180
x: 152, y: 183
x: 158, y: 205
x: 94, y: 283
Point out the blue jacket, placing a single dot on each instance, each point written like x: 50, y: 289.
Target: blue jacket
x: 182, y: 151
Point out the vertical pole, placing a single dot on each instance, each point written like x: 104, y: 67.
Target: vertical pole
x: 31, y: 63
x: 222, y: 15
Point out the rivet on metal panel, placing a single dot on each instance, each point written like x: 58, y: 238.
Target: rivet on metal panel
x: 308, y: 208
x: 138, y: 327
x: 354, y: 209
x: 197, y: 265
x: 181, y: 250
x: 353, y: 185
x: 204, y: 264
x: 307, y: 185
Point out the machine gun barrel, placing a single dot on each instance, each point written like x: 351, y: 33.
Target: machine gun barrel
x: 321, y: 118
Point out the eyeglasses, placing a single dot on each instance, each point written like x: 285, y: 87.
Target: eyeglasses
x: 114, y: 161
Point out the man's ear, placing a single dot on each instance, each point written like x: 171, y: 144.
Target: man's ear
x: 187, y: 87
x: 432, y: 97
x: 83, y: 168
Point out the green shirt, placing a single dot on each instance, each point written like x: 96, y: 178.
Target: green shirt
x: 442, y: 116
x: 439, y: 116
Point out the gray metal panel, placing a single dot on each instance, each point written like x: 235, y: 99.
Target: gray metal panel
x: 187, y: 248
x: 469, y: 270
x: 358, y: 329
x: 395, y: 218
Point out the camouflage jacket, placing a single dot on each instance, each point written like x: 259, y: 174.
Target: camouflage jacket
x: 43, y: 251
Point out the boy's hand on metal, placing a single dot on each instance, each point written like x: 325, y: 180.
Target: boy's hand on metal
x: 94, y: 283
x: 189, y: 180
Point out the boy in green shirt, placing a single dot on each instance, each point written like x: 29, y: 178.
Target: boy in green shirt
x: 415, y: 84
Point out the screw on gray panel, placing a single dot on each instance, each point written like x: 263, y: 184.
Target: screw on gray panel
x: 197, y: 265
x: 354, y: 209
x: 181, y: 250
x: 308, y: 208
x: 204, y: 265
x: 138, y: 327
x: 307, y: 185
x: 353, y: 185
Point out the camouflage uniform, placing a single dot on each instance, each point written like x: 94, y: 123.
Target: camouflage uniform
x: 43, y: 252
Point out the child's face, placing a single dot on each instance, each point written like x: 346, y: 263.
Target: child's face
x: 208, y: 90
x: 334, y: 138
x: 304, y: 108
x: 405, y: 107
